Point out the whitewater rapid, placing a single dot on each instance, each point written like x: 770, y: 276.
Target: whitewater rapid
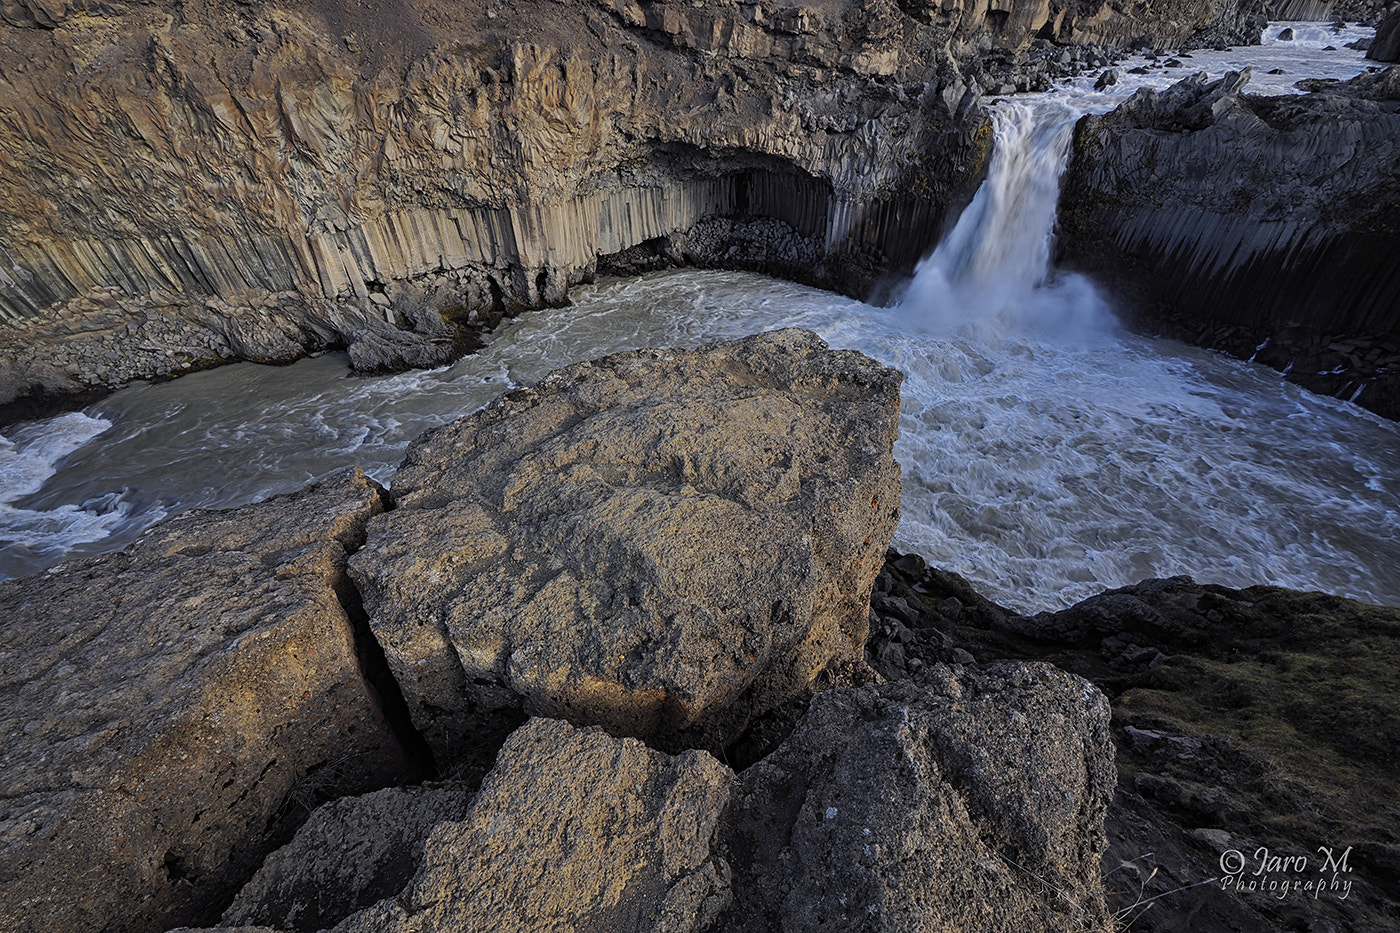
x: 1046, y: 456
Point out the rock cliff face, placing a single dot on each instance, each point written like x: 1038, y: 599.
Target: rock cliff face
x: 1263, y: 226
x: 185, y: 184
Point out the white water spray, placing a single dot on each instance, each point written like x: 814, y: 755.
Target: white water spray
x: 991, y: 276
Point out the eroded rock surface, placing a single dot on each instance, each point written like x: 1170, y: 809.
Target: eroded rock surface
x: 169, y: 710
x: 665, y: 542
x: 1257, y: 225
x: 573, y: 830
x: 349, y: 855
x: 962, y: 800
x: 1245, y: 721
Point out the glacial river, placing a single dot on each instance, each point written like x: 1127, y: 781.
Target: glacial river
x: 1046, y: 454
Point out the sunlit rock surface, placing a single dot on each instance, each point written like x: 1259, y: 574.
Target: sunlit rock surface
x: 664, y: 542
x: 170, y: 709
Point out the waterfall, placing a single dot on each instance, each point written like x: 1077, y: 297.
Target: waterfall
x: 991, y: 275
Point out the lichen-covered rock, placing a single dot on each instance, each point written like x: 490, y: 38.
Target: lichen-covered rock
x: 961, y: 800
x: 349, y: 855
x: 573, y: 830
x: 169, y: 709
x: 664, y: 542
x: 1263, y: 226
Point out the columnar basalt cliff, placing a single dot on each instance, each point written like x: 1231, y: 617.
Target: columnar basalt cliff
x: 1264, y: 226
x: 182, y: 185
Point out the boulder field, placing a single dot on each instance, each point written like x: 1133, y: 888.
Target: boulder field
x: 1262, y: 226
x: 591, y: 593
x: 183, y: 184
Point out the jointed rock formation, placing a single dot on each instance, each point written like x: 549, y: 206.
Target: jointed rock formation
x: 1259, y: 225
x: 186, y: 184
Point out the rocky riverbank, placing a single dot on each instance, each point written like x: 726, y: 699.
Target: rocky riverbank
x: 190, y: 184
x: 1262, y: 226
x: 640, y: 628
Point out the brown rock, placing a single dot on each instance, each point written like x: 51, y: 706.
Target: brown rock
x: 665, y: 542
x: 350, y: 854
x: 573, y: 830
x: 168, y: 710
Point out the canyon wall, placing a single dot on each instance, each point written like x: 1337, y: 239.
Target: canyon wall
x: 1263, y: 226
x: 186, y: 184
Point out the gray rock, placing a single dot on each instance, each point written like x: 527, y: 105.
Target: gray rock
x: 169, y: 709
x: 961, y: 800
x: 1385, y: 47
x: 665, y: 542
x: 1230, y: 220
x: 349, y: 855
x: 573, y: 830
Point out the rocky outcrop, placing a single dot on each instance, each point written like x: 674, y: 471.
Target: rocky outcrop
x: 1258, y: 225
x: 1234, y: 711
x: 171, y: 710
x: 666, y: 543
x: 1385, y: 47
x: 970, y: 800
x: 573, y: 830
x: 965, y: 800
x: 349, y: 855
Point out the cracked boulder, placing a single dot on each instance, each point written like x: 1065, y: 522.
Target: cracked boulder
x: 171, y: 710
x: 962, y: 800
x: 663, y: 542
x: 573, y: 830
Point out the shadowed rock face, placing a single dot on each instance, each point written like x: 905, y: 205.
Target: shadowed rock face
x: 965, y: 799
x: 169, y: 710
x: 1229, y: 220
x: 662, y: 542
x: 1386, y: 46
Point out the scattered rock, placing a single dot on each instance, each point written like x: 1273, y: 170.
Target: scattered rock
x: 666, y: 543
x: 172, y: 710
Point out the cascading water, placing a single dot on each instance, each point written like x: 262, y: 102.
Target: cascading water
x: 1045, y: 456
x: 991, y: 273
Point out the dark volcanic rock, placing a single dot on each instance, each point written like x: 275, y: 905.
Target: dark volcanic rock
x: 1385, y: 47
x: 665, y: 542
x: 1244, y: 720
x: 961, y: 800
x: 1251, y: 224
x: 170, y: 710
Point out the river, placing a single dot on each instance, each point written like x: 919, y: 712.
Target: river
x: 1047, y: 455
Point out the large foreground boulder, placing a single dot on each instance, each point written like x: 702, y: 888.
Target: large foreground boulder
x: 663, y: 542
x: 967, y: 800
x: 962, y: 801
x: 1263, y: 226
x: 168, y: 711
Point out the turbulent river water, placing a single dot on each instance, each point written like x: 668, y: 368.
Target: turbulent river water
x: 1046, y: 455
